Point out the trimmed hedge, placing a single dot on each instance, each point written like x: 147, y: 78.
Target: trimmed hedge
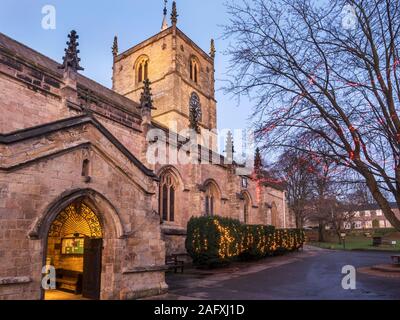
x: 216, y: 240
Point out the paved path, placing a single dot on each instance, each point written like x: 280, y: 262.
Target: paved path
x: 312, y: 274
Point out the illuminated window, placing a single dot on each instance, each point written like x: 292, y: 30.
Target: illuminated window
x: 168, y: 187
x: 368, y: 224
x: 77, y: 218
x: 347, y: 225
x: 358, y: 225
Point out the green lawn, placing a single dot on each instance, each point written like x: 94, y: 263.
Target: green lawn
x: 354, y: 243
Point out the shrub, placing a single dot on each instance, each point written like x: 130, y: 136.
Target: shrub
x: 256, y: 241
x: 213, y: 240
x: 216, y: 240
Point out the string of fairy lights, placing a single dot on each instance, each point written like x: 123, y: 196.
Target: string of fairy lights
x: 232, y: 241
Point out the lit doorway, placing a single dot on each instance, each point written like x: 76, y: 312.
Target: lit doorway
x: 74, y: 249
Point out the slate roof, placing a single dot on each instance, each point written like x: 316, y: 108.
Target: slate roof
x: 63, y: 124
x: 39, y: 60
x: 374, y: 206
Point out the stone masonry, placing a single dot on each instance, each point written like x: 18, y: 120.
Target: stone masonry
x: 54, y: 120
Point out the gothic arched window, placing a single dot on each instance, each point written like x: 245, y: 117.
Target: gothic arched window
x: 168, y: 187
x: 211, y: 199
x: 194, y: 69
x: 246, y: 208
x: 195, y: 113
x: 142, y: 69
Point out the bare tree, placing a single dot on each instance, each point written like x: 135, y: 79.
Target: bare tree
x: 298, y: 172
x: 361, y: 195
x: 326, y: 187
x: 337, y: 214
x: 328, y: 74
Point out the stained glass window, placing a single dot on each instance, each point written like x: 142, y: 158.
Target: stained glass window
x: 77, y: 218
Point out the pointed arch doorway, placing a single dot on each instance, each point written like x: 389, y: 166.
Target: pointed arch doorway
x: 74, y: 249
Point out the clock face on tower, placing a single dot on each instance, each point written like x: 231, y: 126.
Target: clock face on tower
x: 195, y: 108
x: 181, y: 70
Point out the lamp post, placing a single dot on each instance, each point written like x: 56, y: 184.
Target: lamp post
x: 343, y: 236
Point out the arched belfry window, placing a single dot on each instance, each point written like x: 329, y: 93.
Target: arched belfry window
x: 168, y: 187
x: 212, y: 197
x: 194, y: 69
x: 142, y: 69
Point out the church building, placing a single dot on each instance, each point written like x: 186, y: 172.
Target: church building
x: 79, y: 190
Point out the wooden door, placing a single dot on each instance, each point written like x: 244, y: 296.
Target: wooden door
x: 92, y: 268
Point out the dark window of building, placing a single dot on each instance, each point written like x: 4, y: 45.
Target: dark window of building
x: 168, y: 185
x: 165, y: 202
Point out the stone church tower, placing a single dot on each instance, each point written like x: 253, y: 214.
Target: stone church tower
x: 181, y: 75
x: 77, y: 191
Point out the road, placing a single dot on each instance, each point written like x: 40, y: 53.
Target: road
x: 310, y: 275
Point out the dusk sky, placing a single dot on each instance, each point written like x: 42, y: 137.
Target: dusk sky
x: 133, y: 21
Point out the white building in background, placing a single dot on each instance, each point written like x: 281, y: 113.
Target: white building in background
x: 370, y: 216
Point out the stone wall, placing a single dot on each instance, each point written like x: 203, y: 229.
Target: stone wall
x: 40, y: 176
x: 191, y: 199
x: 174, y: 237
x: 41, y: 168
x: 24, y: 105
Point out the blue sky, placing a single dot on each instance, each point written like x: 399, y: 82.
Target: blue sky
x: 133, y: 21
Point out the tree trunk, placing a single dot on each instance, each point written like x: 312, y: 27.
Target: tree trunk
x: 321, y: 237
x: 381, y: 200
x: 339, y: 237
x: 338, y: 233
x: 299, y: 222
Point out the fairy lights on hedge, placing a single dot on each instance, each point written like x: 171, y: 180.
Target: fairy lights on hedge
x: 226, y: 241
x: 219, y: 239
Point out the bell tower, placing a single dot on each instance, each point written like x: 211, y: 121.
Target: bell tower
x: 181, y: 76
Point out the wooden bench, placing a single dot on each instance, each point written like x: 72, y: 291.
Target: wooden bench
x: 396, y: 259
x: 388, y: 242
x: 68, y: 280
x: 174, y: 264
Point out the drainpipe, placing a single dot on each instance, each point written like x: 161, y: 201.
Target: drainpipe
x: 284, y: 209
